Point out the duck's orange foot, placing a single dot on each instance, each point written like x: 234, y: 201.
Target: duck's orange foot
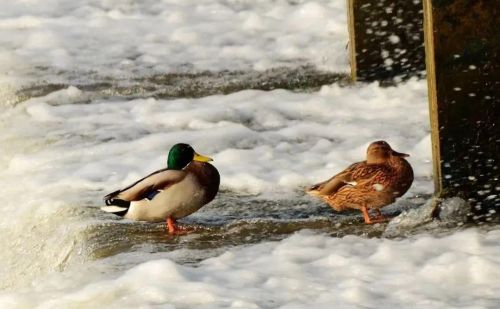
x: 174, y: 229
x: 378, y: 219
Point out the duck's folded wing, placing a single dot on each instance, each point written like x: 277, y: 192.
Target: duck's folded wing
x: 339, y: 180
x: 159, y: 180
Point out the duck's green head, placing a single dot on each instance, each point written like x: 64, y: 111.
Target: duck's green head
x: 180, y: 155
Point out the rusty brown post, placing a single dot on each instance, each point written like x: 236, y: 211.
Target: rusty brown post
x: 385, y: 39
x: 462, y: 45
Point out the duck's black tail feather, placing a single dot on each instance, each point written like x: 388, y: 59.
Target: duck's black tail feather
x: 116, y: 206
x: 109, y: 197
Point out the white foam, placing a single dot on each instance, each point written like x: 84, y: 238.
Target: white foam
x: 306, y: 270
x: 116, y: 38
x: 64, y: 154
x: 265, y: 136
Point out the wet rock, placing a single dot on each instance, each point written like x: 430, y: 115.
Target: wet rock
x: 408, y: 220
x: 453, y: 209
x: 434, y: 214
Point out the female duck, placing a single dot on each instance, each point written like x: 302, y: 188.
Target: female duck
x: 370, y: 184
x: 188, y: 183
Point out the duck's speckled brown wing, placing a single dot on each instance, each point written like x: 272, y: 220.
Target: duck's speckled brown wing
x: 404, y: 178
x: 354, y: 173
x: 354, y: 187
x: 357, y: 197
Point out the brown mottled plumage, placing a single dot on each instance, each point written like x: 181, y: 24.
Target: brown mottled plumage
x: 370, y: 184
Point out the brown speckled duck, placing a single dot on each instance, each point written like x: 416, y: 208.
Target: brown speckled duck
x: 370, y: 184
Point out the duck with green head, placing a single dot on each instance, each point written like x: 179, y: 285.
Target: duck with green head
x: 188, y: 183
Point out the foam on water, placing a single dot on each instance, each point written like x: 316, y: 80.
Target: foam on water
x: 65, y: 154
x: 304, y: 270
x: 59, y: 40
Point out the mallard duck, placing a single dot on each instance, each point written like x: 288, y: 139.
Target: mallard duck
x: 188, y: 183
x: 370, y: 184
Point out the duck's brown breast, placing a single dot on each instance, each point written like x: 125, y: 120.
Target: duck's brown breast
x: 402, y: 175
x: 208, y: 177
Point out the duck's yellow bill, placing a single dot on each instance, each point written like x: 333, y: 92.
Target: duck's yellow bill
x: 198, y: 157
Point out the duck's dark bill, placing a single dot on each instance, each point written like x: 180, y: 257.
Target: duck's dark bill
x: 400, y: 154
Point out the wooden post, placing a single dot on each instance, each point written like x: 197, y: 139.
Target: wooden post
x: 385, y: 39
x: 462, y: 45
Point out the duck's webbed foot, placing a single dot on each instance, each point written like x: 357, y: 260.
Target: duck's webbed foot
x: 174, y: 229
x: 377, y: 219
x: 380, y: 217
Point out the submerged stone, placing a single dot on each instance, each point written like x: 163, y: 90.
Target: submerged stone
x: 453, y: 209
x: 434, y: 214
